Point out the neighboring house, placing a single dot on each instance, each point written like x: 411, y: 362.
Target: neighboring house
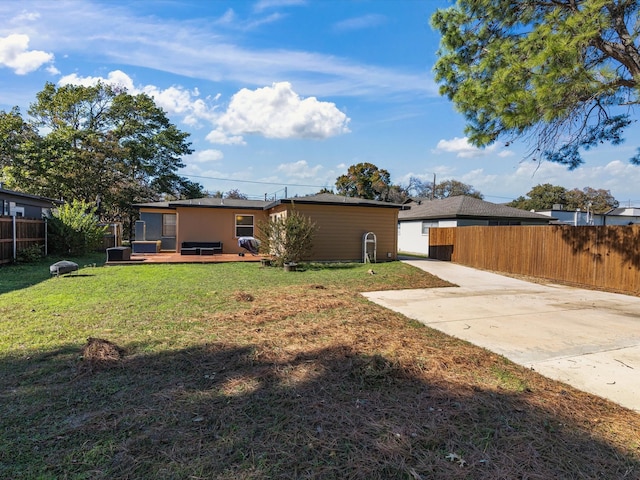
x: 577, y: 218
x: 622, y: 216
x: 24, y: 205
x: 341, y: 224
x: 459, y: 211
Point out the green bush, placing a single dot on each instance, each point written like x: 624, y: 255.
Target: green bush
x: 287, y: 238
x: 73, y: 229
x: 31, y: 254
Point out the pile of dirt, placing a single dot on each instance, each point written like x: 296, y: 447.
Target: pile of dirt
x: 99, y: 353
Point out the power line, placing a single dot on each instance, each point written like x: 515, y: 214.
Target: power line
x: 254, y: 181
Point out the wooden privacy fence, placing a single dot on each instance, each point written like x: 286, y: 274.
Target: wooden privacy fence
x: 17, y: 234
x: 604, y: 257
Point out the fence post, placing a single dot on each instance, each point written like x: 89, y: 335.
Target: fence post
x: 46, y: 238
x: 15, y: 238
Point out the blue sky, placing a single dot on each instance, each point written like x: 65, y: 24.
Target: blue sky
x: 284, y: 93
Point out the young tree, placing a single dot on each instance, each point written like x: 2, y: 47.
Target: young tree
x: 364, y: 180
x: 74, y: 229
x: 563, y: 74
x: 288, y: 238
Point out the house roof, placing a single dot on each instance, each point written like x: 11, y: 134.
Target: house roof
x: 624, y: 212
x: 331, y: 199
x: 320, y: 199
x: 152, y: 205
x: 38, y: 198
x: 220, y: 203
x: 464, y: 207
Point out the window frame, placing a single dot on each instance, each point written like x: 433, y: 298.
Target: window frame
x: 250, y: 227
x: 165, y: 225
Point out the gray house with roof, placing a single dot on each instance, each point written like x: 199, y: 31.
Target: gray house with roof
x: 578, y: 218
x: 20, y: 204
x: 420, y: 215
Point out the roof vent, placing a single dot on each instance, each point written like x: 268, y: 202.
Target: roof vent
x: 558, y: 206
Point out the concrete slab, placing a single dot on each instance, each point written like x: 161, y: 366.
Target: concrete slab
x: 585, y: 338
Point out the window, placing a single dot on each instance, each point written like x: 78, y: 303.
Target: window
x: 244, y: 225
x: 168, y: 224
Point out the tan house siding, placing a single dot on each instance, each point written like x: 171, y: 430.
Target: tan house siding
x: 212, y: 225
x: 340, y: 230
x: 341, y: 223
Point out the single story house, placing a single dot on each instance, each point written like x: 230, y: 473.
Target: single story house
x: 577, y: 218
x: 20, y: 204
x: 346, y: 228
x: 458, y: 211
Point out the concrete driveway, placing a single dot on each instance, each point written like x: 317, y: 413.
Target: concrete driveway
x: 585, y: 338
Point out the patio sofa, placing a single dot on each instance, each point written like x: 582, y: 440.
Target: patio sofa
x: 200, y: 248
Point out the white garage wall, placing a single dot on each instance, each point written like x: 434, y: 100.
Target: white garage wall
x: 411, y: 239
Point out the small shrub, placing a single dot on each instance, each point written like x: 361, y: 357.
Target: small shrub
x: 288, y: 239
x: 31, y: 254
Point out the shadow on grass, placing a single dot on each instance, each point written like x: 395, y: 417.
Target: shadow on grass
x: 24, y: 275
x: 219, y: 411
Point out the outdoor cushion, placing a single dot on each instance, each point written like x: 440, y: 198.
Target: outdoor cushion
x: 62, y: 267
x: 209, y: 247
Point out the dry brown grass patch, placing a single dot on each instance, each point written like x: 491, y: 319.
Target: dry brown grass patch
x: 99, y: 353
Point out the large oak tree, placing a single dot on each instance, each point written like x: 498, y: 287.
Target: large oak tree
x: 365, y: 180
x: 96, y: 144
x: 545, y: 196
x: 563, y: 74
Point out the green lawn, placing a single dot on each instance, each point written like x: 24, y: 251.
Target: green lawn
x: 237, y: 371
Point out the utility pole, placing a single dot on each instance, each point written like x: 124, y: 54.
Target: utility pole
x: 433, y: 189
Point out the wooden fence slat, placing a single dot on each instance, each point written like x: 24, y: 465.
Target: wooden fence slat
x: 28, y: 232
x: 604, y: 257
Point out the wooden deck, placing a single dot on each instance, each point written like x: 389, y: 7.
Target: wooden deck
x: 173, y: 257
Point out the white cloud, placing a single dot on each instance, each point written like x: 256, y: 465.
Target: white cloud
x: 299, y: 169
x: 221, y: 138
x: 14, y: 54
x: 25, y: 16
x: 274, y: 17
x: 279, y: 112
x: 463, y: 149
x: 116, y: 78
x: 174, y: 100
x: 265, y: 4
x: 205, y: 156
x: 359, y: 23
x: 51, y: 69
